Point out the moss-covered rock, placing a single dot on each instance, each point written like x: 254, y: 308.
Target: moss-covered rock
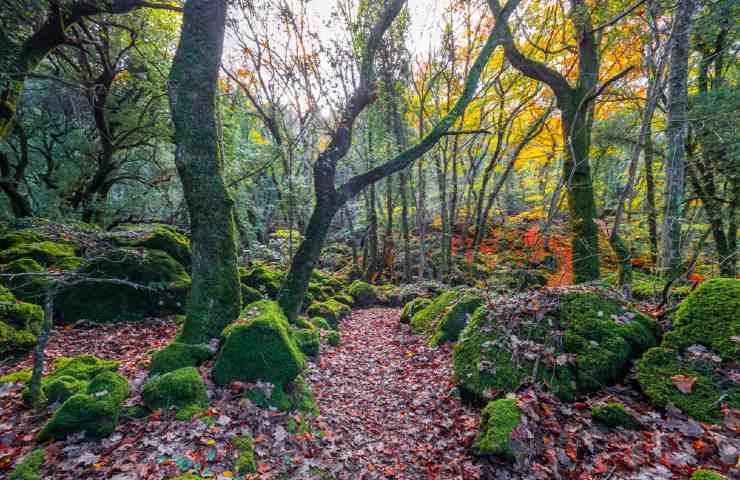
x: 61, y: 388
x: 343, y: 298
x: 412, y: 307
x: 614, y: 414
x: 250, y: 295
x: 703, y: 474
x: 333, y: 338
x: 264, y: 279
x: 29, y: 467
x: 95, y: 412
x: 29, y: 288
x: 183, y: 389
x: 330, y: 310
x: 572, y: 342
x: 257, y: 347
x: 20, y: 237
x: 178, y: 355
x: 22, y: 375
x: 245, y: 460
x: 154, y: 236
x: 699, y: 349
x: 19, y: 324
x: 166, y: 287
x: 499, y: 418
x: 293, y: 396
x: 518, y: 280
x: 363, y: 294
x: 320, y: 323
x: 308, y: 341
x: 425, y: 321
x: 45, y: 253
x: 452, y: 322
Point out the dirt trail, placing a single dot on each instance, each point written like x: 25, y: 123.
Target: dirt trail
x: 390, y: 404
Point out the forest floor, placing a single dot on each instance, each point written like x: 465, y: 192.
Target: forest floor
x: 389, y: 409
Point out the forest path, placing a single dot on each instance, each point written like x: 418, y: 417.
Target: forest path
x: 388, y: 401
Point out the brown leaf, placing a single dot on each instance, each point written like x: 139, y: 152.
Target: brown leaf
x: 684, y: 383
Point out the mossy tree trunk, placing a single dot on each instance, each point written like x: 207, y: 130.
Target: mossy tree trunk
x: 329, y: 198
x: 193, y: 89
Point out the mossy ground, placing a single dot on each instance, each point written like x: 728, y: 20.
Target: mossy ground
x: 702, y: 474
x: 498, y: 419
x: 245, y: 460
x: 294, y: 396
x: 183, y: 389
x: 614, y: 414
x: 177, y: 355
x: 19, y: 324
x: 29, y: 467
x: 332, y: 311
x: 308, y: 341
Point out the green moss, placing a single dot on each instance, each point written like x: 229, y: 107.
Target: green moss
x: 183, y: 388
x: 320, y: 323
x: 363, y: 294
x: 333, y: 338
x: 61, y: 388
x: 167, y: 281
x: 344, y: 299
x: 264, y: 279
x: 250, y: 295
x: 154, y: 236
x: 572, y: 343
x: 294, y: 396
x: 177, y: 355
x: 29, y: 467
x: 19, y: 324
x: 70, y: 263
x: 614, y: 414
x: 258, y: 348
x: 412, y: 307
x: 95, y: 412
x: 331, y: 311
x: 308, y: 341
x: 498, y: 419
x: 19, y: 237
x: 425, y: 321
x: 245, y: 460
x: 709, y: 316
x: 703, y: 474
x: 454, y: 319
x: 655, y: 370
x: 29, y: 288
x: 45, y: 253
x: 22, y: 375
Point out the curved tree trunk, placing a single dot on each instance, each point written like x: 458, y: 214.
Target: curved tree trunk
x: 215, y: 294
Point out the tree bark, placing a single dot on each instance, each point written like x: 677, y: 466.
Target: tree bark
x: 215, y: 293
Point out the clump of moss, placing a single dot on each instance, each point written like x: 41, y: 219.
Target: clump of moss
x: 46, y: 253
x: 308, y: 341
x: 22, y: 375
x: 29, y: 467
x: 154, y: 236
x: 264, y: 279
x: 425, y: 321
x: 295, y: 395
x: 19, y: 237
x: 29, y: 288
x: 320, y: 323
x: 245, y: 460
x: 343, y: 298
x: 183, y: 388
x: 571, y: 342
x: 363, y: 294
x: 705, y: 322
x: 614, y: 414
x: 330, y: 310
x: 95, y: 412
x: 413, y: 307
x: 250, y: 295
x: 61, y: 388
x: 703, y: 474
x: 258, y: 348
x: 177, y: 355
x: 454, y: 319
x: 498, y: 419
x: 333, y: 338
x: 20, y: 323
x: 166, y: 281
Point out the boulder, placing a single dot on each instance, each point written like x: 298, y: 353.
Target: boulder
x: 178, y: 355
x: 154, y: 236
x: 263, y: 278
x: 499, y: 419
x: 412, y: 307
x: 332, y: 311
x: 20, y: 323
x: 183, y: 389
x: 46, y: 253
x: 308, y: 341
x: 363, y: 294
x: 69, y: 376
x: 455, y: 318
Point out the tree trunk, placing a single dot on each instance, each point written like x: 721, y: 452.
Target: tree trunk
x: 215, y: 293
x: 652, y: 211
x: 675, y: 166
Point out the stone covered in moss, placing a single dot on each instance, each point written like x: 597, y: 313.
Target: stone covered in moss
x: 166, y: 281
x: 245, y: 460
x: 257, y: 347
x: 20, y: 237
x: 614, y: 414
x: 29, y: 467
x: 412, y: 307
x: 183, y: 389
x: 320, y: 323
x: 95, y: 412
x: 19, y: 324
x: 700, y: 348
x: 452, y: 322
x: 46, y: 253
x: 703, y: 474
x: 177, y: 355
x: 363, y: 294
x: 343, y: 298
x: 333, y: 338
x: 295, y: 395
x: 425, y: 321
x: 29, y: 288
x: 264, y: 279
x: 61, y: 388
x: 331, y: 311
x: 154, y: 236
x: 499, y: 418
x: 250, y: 295
x: 308, y: 341
x: 572, y: 342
